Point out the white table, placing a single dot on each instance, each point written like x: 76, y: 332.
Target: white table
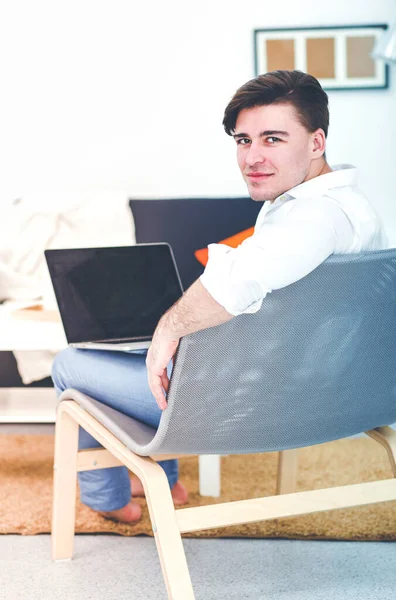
x: 21, y: 406
x: 28, y: 405
x: 30, y: 334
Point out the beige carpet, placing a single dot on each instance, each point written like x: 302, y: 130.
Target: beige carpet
x: 26, y: 491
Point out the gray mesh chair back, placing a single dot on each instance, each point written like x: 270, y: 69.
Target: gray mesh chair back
x: 316, y: 363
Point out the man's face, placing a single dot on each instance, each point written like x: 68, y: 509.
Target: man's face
x: 274, y: 150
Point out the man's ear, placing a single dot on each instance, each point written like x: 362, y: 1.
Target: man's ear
x: 318, y: 147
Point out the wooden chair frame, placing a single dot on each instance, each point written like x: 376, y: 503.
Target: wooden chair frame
x: 168, y: 523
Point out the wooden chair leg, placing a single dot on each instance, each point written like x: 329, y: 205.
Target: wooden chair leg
x: 287, y: 472
x: 65, y: 484
x: 386, y: 436
x: 167, y: 533
x: 158, y: 495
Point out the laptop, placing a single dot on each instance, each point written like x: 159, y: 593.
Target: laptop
x: 113, y: 298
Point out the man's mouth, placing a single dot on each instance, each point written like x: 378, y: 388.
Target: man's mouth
x: 256, y: 176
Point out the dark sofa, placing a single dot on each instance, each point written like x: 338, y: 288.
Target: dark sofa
x: 187, y: 224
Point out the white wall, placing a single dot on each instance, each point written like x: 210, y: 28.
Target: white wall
x: 126, y: 95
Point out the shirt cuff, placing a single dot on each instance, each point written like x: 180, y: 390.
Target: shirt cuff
x: 237, y: 295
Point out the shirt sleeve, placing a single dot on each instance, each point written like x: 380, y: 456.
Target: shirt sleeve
x: 277, y: 255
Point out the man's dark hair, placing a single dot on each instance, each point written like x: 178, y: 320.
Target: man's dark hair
x: 299, y: 89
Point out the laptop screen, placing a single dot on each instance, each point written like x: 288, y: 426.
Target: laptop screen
x: 113, y: 293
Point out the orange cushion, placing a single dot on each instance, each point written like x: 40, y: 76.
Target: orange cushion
x: 234, y: 241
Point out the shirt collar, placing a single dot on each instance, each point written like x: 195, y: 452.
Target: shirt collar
x: 340, y: 176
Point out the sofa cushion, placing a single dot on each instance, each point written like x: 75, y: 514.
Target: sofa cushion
x: 234, y: 241
x: 188, y: 224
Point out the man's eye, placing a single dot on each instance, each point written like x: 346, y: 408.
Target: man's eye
x: 243, y: 141
x: 272, y: 139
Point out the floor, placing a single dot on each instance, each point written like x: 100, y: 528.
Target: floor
x: 109, y: 567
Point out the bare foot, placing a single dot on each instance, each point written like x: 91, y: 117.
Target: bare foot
x: 127, y: 514
x: 179, y: 492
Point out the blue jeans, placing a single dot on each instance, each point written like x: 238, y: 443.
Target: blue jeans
x: 118, y: 379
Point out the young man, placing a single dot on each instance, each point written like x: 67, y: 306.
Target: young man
x: 279, y: 122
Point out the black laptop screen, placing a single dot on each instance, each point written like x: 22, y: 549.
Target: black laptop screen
x: 112, y: 293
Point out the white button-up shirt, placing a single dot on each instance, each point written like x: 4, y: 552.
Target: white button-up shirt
x: 293, y: 235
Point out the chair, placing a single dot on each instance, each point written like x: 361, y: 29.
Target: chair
x: 315, y: 364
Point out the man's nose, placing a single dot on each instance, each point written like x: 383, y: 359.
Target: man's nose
x: 255, y: 154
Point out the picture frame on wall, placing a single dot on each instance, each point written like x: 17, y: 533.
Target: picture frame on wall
x: 339, y: 57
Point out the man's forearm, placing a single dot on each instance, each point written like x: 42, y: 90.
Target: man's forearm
x: 194, y: 311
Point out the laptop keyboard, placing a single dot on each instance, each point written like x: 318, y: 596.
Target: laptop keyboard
x: 122, y: 340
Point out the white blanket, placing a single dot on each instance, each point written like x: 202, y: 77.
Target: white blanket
x: 36, y: 222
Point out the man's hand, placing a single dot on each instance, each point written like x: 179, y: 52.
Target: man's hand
x: 158, y: 358
x: 194, y: 311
